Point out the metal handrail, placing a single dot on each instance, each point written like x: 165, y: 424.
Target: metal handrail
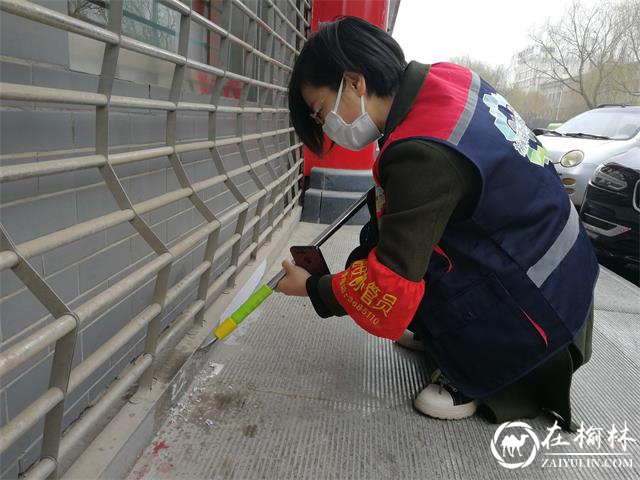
x: 61, y: 331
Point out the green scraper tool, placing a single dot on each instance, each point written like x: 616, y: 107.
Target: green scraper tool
x: 229, y: 325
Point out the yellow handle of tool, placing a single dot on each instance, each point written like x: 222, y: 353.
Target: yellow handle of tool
x: 229, y: 325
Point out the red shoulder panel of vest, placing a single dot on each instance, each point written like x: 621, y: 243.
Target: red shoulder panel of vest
x: 437, y: 107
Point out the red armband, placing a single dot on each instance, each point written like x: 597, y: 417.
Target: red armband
x: 379, y: 300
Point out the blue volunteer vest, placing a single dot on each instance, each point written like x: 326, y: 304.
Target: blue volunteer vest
x: 513, y: 284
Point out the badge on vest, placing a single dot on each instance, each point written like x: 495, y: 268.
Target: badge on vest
x: 514, y: 129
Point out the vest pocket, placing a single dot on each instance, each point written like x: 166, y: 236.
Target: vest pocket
x: 482, y: 336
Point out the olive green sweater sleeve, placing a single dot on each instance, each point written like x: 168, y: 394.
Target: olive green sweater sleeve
x: 425, y: 185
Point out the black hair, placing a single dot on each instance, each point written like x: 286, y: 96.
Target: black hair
x: 347, y: 44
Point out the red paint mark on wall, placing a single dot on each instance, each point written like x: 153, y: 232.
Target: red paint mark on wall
x: 159, y: 446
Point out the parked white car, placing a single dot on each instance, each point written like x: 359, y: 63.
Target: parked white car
x: 583, y: 143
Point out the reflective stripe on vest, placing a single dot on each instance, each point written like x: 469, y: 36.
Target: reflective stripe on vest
x: 469, y: 109
x: 539, y: 272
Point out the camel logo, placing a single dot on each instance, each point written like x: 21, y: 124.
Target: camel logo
x: 515, y: 445
x: 511, y: 443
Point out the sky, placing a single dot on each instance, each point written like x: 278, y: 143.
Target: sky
x: 489, y: 30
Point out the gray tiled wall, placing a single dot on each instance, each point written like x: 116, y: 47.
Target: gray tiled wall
x: 30, y: 208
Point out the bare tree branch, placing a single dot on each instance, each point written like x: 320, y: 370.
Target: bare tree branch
x: 586, y: 48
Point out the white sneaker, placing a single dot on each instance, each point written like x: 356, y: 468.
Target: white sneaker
x: 442, y: 400
x: 410, y: 340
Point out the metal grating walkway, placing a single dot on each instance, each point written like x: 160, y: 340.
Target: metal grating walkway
x: 291, y: 395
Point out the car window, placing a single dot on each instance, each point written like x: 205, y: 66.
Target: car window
x: 618, y: 124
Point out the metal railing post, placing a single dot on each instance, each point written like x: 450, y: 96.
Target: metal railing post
x: 265, y: 68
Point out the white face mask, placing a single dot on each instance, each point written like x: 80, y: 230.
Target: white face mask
x: 352, y: 136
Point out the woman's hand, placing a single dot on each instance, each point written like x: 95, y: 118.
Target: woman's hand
x: 295, y: 280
